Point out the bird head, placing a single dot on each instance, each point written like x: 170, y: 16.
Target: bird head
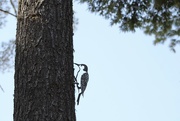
x: 85, y: 67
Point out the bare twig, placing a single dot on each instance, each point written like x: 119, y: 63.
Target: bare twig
x: 76, y: 82
x: 7, y: 12
x: 79, y: 69
x: 78, y: 99
x: 1, y: 88
x: 12, y: 3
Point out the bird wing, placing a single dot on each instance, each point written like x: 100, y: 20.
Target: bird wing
x: 84, y: 81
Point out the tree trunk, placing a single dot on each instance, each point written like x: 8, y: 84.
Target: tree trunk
x: 44, y: 89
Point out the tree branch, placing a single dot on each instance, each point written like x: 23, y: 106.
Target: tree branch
x: 79, y: 98
x: 15, y: 11
x: 7, y: 12
x: 76, y: 82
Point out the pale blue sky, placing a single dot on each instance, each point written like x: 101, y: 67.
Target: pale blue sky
x: 130, y: 78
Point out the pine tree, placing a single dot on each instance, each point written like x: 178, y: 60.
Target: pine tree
x: 44, y: 88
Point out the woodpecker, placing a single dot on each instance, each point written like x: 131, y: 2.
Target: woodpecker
x: 84, y: 81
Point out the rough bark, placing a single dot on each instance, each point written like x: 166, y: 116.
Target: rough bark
x: 44, y: 89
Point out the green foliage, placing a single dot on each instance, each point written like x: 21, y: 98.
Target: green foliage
x: 156, y: 17
x: 127, y: 14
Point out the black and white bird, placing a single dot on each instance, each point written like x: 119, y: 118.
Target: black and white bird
x: 84, y: 81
